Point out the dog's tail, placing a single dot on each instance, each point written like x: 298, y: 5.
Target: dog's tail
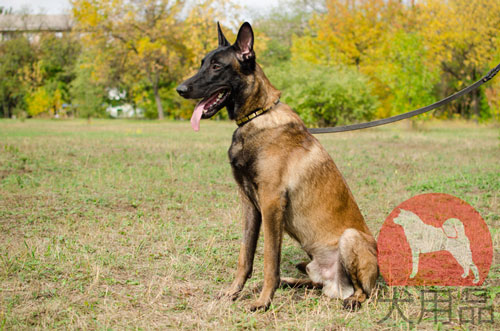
x: 454, y: 228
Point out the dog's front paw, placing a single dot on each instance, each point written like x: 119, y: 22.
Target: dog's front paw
x: 351, y: 304
x: 232, y: 293
x: 260, y: 305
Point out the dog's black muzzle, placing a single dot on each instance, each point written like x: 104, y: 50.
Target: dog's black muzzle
x: 183, y: 90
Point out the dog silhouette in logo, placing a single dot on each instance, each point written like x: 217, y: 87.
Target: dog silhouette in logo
x: 425, y: 238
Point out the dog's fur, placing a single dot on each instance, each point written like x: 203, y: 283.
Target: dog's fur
x: 425, y: 238
x: 287, y: 182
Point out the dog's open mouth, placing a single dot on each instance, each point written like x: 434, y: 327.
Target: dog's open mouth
x: 208, y: 107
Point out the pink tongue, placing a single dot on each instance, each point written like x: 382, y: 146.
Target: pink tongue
x: 196, y: 118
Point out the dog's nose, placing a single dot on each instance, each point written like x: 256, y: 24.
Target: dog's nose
x: 182, y: 89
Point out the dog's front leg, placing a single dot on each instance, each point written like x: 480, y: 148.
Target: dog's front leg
x: 251, y: 227
x: 272, y: 222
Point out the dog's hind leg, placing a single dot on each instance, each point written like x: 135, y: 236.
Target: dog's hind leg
x: 358, y: 255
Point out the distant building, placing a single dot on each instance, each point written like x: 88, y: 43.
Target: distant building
x: 32, y: 25
x: 125, y: 111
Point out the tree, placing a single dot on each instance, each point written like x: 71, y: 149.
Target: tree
x: 88, y: 97
x: 407, y: 72
x: 278, y: 26
x: 47, y: 78
x: 142, y: 39
x: 349, y: 32
x: 15, y: 54
x: 414, y: 52
x: 463, y: 38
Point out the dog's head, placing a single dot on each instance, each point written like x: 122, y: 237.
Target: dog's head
x: 221, y: 79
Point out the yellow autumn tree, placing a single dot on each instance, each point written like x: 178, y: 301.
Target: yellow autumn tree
x: 41, y: 102
x: 38, y: 102
x: 355, y: 33
x: 463, y: 38
x: 415, y: 52
x: 349, y: 32
x: 149, y: 39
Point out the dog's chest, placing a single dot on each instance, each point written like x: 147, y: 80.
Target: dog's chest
x: 243, y: 155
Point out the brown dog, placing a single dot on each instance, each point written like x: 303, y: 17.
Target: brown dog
x: 287, y: 181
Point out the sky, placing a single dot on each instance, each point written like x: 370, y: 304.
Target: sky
x: 60, y: 6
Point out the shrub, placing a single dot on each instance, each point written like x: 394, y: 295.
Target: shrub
x: 88, y: 97
x: 38, y: 102
x: 324, y: 95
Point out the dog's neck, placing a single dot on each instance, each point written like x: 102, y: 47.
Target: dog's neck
x: 259, y: 93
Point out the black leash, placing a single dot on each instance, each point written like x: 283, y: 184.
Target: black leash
x: 412, y: 113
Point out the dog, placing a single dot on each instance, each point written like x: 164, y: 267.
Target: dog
x: 287, y: 181
x: 424, y: 238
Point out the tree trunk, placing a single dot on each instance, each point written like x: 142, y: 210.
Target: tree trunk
x: 159, y: 106
x: 475, y: 104
x: 5, y: 109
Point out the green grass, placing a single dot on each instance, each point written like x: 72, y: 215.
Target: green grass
x: 133, y: 224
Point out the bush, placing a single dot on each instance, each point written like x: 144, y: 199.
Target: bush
x: 38, y: 102
x: 325, y: 96
x: 88, y: 97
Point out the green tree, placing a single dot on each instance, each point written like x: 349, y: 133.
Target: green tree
x: 57, y: 56
x: 46, y: 79
x: 280, y: 25
x: 15, y: 54
x: 87, y: 95
x: 407, y: 73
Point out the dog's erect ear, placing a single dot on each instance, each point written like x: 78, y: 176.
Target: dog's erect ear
x: 222, y: 40
x: 244, y: 43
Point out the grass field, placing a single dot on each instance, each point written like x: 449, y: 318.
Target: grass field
x: 136, y: 225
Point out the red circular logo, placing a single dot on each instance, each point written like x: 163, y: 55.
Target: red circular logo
x: 434, y: 239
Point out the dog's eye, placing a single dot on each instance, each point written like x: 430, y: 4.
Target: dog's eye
x: 216, y: 66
